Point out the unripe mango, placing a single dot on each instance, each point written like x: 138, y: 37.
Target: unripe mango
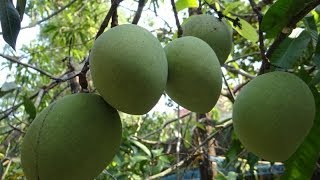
x: 129, y: 68
x: 195, y: 77
x: 272, y: 115
x: 74, y: 138
x: 213, y: 31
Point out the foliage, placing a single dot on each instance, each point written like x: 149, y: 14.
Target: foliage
x: 274, y: 35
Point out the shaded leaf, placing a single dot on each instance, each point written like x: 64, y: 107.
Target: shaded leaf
x: 302, y: 163
x: 29, y: 107
x: 247, y: 31
x: 21, y: 6
x: 182, y: 4
x: 316, y: 58
x: 311, y: 27
x: 10, y: 22
x: 279, y: 15
x: 142, y: 147
x: 252, y: 160
x: 234, y: 150
x: 7, y: 87
x: 289, y: 51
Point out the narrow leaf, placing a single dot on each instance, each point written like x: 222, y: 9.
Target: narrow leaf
x: 311, y: 27
x: 247, y: 31
x: 316, y: 58
x: 182, y: 4
x: 289, y: 51
x: 29, y: 107
x: 142, y: 147
x: 10, y: 22
x: 302, y: 163
x: 7, y: 87
x: 187, y: 139
x: 21, y: 6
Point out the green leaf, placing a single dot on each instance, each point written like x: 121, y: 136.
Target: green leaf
x: 21, y: 6
x: 289, y: 51
x: 234, y: 150
x: 187, y: 139
x: 7, y: 87
x: 182, y: 4
x: 10, y: 22
x: 139, y: 158
x: 316, y: 58
x: 142, y: 147
x: 279, y: 15
x: 302, y: 163
x: 311, y: 27
x: 29, y: 107
x: 231, y: 6
x: 247, y: 31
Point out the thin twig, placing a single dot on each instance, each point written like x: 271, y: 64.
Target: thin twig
x: 265, y: 60
x: 180, y: 31
x: 167, y: 123
x: 106, y: 20
x: 238, y: 71
x: 231, y: 97
x: 11, y: 59
x: 138, y: 12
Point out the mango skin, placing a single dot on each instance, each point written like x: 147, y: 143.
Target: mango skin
x: 195, y: 76
x: 213, y: 31
x: 129, y: 68
x: 74, y: 138
x: 273, y: 114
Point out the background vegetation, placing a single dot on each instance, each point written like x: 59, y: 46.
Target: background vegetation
x: 268, y: 35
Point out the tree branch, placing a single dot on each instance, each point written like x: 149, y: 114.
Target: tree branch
x: 180, y: 31
x: 165, y: 124
x: 11, y: 59
x: 238, y: 71
x: 106, y: 20
x: 265, y: 61
x: 138, y: 12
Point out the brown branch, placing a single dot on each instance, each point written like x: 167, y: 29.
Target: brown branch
x: 265, y: 61
x: 114, y: 19
x: 231, y: 97
x: 166, y: 123
x: 238, y: 71
x: 11, y: 59
x: 138, y: 12
x: 106, y: 20
x: 180, y: 31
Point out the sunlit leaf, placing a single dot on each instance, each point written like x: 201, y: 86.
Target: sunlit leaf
x: 182, y: 4
x: 142, y: 147
x: 247, y: 31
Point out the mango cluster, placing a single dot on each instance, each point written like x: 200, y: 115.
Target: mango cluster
x: 77, y: 136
